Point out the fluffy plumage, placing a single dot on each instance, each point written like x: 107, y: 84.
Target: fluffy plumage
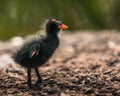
x: 38, y: 51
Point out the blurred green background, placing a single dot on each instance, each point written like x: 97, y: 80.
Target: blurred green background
x: 22, y: 17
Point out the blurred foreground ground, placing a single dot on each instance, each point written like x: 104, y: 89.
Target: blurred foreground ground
x: 85, y: 64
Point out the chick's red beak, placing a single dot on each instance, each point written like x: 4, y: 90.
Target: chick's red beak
x: 63, y: 26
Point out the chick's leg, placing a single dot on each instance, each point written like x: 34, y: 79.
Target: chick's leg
x: 38, y: 75
x: 29, y: 78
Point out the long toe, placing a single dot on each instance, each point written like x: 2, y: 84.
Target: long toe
x: 39, y: 82
x: 31, y: 86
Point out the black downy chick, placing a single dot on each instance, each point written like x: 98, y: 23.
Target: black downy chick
x: 38, y: 51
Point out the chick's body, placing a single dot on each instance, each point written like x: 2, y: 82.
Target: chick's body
x: 36, y: 53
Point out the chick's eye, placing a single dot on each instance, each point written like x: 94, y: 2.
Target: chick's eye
x: 58, y: 23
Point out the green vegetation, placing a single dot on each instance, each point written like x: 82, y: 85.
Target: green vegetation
x: 21, y: 17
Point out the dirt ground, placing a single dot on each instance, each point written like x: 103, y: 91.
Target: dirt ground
x: 85, y: 64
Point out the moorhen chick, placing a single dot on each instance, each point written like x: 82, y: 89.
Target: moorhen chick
x: 37, y: 51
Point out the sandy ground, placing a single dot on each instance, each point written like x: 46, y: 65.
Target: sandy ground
x: 85, y: 64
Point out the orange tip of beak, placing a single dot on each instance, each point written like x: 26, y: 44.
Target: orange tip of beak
x: 63, y: 26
